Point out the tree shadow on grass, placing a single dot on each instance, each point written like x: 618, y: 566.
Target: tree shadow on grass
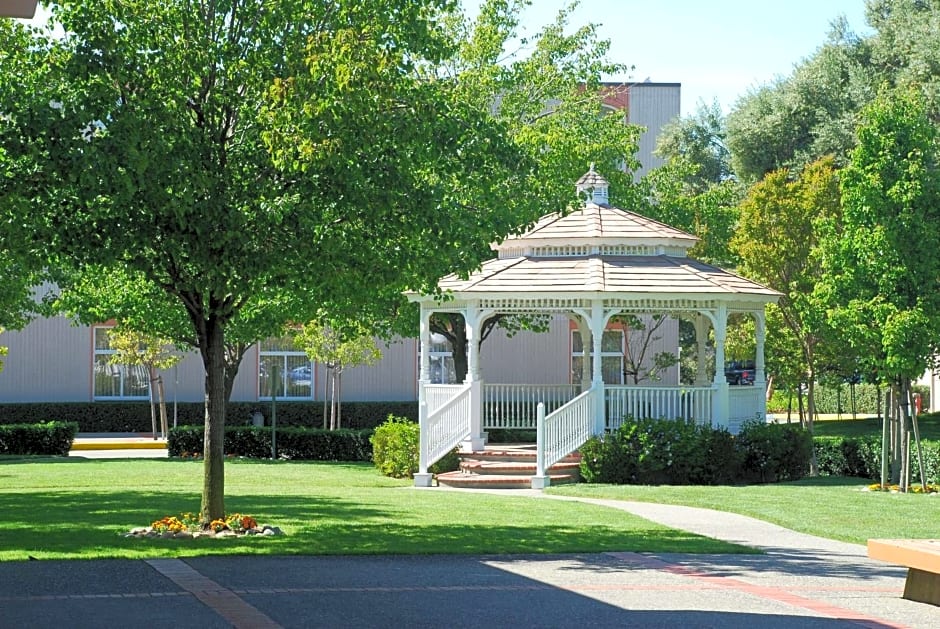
x: 86, y: 524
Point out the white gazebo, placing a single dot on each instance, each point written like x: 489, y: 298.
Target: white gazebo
x: 590, y: 265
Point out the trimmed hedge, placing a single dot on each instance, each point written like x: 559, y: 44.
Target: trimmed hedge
x: 395, y: 446
x: 135, y: 416
x: 861, y: 457
x: 308, y: 444
x: 679, y: 452
x: 47, y: 438
x: 834, y: 399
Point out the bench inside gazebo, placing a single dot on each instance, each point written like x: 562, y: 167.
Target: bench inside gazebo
x: 590, y: 265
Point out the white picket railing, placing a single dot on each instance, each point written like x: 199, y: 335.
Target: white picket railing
x: 564, y: 431
x: 745, y: 403
x: 436, y: 395
x: 692, y: 403
x: 515, y: 405
x: 443, y: 428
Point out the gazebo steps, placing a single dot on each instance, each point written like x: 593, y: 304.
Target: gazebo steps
x: 516, y: 468
x: 496, y: 481
x: 509, y: 466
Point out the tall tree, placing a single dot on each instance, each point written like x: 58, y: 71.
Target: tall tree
x: 783, y: 222
x: 885, y: 271
x: 701, y: 141
x: 258, y: 163
x: 546, y: 90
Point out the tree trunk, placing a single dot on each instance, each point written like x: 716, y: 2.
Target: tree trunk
x: 811, y: 404
x: 333, y: 402
x: 339, y: 400
x: 161, y: 395
x: 152, y: 390
x: 212, y: 348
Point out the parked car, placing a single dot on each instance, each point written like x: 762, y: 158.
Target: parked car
x: 739, y: 371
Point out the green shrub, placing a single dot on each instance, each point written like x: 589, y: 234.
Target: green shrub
x: 395, y: 446
x: 511, y: 435
x: 774, y: 452
x: 135, y: 416
x: 308, y: 444
x: 648, y: 452
x: 47, y: 438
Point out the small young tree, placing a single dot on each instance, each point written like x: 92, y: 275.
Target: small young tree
x: 336, y: 351
x: 137, y: 348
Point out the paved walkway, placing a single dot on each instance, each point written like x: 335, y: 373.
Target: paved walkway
x: 799, y: 581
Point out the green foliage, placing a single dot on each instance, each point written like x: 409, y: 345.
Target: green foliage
x: 49, y: 438
x: 395, y: 446
x: 511, y: 435
x: 774, y: 452
x: 849, y: 456
x: 885, y: 272
x: 135, y: 416
x: 673, y: 452
x: 296, y: 444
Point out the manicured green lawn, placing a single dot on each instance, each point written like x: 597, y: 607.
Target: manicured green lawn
x: 78, y: 508
x: 831, y: 507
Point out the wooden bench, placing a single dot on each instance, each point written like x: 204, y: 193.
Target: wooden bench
x: 922, y: 559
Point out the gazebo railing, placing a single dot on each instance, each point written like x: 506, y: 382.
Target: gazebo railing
x: 564, y: 431
x: 436, y: 395
x: 442, y: 429
x: 515, y: 405
x: 691, y: 403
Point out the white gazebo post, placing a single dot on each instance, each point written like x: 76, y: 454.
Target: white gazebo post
x: 720, y: 404
x: 423, y: 477
x: 473, y: 319
x: 587, y: 369
x: 760, y: 376
x: 598, y: 323
x: 701, y: 340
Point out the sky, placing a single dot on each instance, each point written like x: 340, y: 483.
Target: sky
x: 717, y: 49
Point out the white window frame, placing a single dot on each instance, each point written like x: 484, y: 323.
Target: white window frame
x: 117, y: 370
x: 284, y: 371
x: 604, y: 354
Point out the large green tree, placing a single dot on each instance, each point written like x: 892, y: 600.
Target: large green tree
x: 884, y: 266
x: 546, y: 90
x: 255, y: 164
x: 783, y: 223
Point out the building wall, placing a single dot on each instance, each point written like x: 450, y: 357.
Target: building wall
x: 50, y: 360
x: 652, y: 105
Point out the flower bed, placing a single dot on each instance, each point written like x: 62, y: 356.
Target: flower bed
x: 188, y: 525
x: 912, y: 489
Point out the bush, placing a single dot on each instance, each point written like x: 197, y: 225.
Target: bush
x: 849, y: 456
x: 511, y: 435
x: 395, y: 446
x: 308, y: 444
x: 47, y: 438
x: 135, y: 416
x: 774, y: 452
x: 674, y: 452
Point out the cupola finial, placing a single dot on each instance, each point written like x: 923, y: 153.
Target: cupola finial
x: 592, y: 187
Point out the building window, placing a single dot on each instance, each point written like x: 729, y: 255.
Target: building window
x: 112, y: 380
x: 442, y: 361
x: 279, y: 361
x: 611, y: 357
